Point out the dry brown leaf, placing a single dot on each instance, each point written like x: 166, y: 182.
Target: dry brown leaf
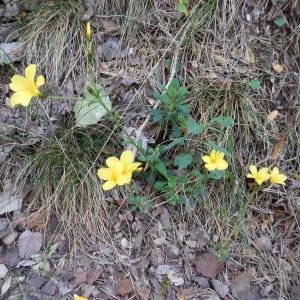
x: 279, y: 145
x: 273, y: 115
x: 278, y: 68
x: 80, y: 277
x: 36, y: 222
x: 208, y: 265
x: 220, y: 59
x: 187, y: 294
x: 263, y: 243
x: 111, y: 27
x: 29, y: 243
x: 92, y: 277
x: 124, y: 287
x: 249, y: 55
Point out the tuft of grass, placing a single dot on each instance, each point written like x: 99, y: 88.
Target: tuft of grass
x: 54, y: 36
x: 65, y: 184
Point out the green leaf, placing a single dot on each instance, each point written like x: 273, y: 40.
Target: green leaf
x: 178, y: 141
x: 193, y: 127
x: 224, y: 121
x: 156, y: 115
x: 172, y: 183
x: 216, y: 174
x: 219, y: 148
x: 159, y: 185
x: 182, y: 9
x: 274, y: 1
x: 255, y: 84
x: 183, y: 160
x: 280, y: 22
x: 89, y: 110
x: 161, y: 168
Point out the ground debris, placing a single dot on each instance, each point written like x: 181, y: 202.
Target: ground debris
x: 29, y: 243
x: 124, y: 287
x: 208, y: 265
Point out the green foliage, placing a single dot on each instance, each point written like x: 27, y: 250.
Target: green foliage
x: 182, y: 7
x: 179, y: 178
x: 280, y: 22
x: 139, y: 203
x: 93, y: 107
x: 255, y: 84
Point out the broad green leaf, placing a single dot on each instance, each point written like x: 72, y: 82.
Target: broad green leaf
x: 183, y: 160
x: 216, y: 174
x: 158, y: 185
x: 255, y: 84
x: 178, y: 141
x: 193, y: 127
x: 156, y: 115
x: 172, y: 183
x: 162, y: 169
x: 224, y: 121
x: 280, y: 22
x: 182, y: 9
x: 89, y: 110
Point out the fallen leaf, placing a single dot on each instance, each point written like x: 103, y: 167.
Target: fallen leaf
x: 92, y: 277
x: 273, y: 115
x: 165, y: 219
x: 187, y: 294
x: 124, y: 287
x: 143, y: 293
x: 295, y: 292
x: 279, y: 145
x: 208, y: 265
x: 240, y: 285
x: 10, y: 198
x: 249, y: 55
x: 111, y: 27
x: 29, y: 243
x: 263, y: 243
x: 36, y: 222
x: 10, y: 258
x: 220, y: 287
x: 139, y: 238
x: 6, y: 286
x: 278, y: 68
x: 80, y: 277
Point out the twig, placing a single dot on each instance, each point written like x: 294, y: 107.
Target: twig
x: 172, y: 75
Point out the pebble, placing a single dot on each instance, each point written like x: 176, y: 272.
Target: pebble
x: 3, y: 271
x: 10, y: 238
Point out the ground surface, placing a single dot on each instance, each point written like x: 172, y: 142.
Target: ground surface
x: 61, y: 234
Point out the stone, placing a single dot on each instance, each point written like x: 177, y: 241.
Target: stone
x: 3, y: 271
x: 10, y: 238
x: 11, y: 52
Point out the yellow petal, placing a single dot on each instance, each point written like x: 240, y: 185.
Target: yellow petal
x: 105, y: 174
x: 249, y: 175
x: 108, y: 185
x: 210, y: 167
x: 219, y: 155
x: 253, y: 170
x: 111, y: 161
x: 124, y: 179
x: 76, y: 297
x: 213, y: 154
x: 206, y: 159
x: 30, y: 72
x: 278, y: 178
x: 127, y: 157
x: 135, y: 167
x: 117, y: 169
x: 40, y: 81
x: 21, y: 97
x: 222, y: 165
x: 19, y: 83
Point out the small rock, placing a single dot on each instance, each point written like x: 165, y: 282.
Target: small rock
x: 263, y: 243
x: 49, y: 289
x: 124, y: 243
x: 165, y: 219
x: 11, y: 10
x: 11, y: 52
x: 175, y: 277
x: 10, y: 238
x: 208, y: 265
x: 240, y: 285
x: 3, y: 271
x: 191, y: 244
x: 3, y: 221
x: 36, y: 282
x: 201, y: 281
x: 220, y: 287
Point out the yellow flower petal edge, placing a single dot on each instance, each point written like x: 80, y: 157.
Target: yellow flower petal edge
x: 260, y: 176
x: 76, y: 297
x: 277, y: 177
x: 88, y: 31
x: 215, y: 161
x: 118, y: 171
x: 25, y: 87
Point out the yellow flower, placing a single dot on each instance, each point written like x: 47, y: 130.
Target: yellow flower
x: 119, y: 171
x: 259, y: 176
x: 88, y: 31
x: 276, y: 177
x: 215, y: 161
x: 76, y: 297
x: 25, y: 87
